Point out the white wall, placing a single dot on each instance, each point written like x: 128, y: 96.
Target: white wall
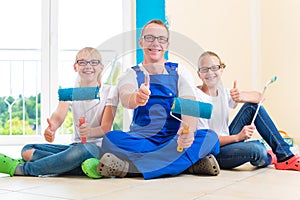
x: 256, y: 40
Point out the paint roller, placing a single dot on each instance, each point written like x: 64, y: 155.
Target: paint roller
x: 79, y: 94
x: 272, y: 80
x: 191, y: 108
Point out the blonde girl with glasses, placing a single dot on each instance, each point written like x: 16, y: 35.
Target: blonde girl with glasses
x: 56, y: 159
x: 235, y: 147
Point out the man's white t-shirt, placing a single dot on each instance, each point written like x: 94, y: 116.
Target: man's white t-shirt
x: 186, y: 83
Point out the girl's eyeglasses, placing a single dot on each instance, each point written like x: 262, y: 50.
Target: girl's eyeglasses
x: 85, y: 62
x: 213, y: 68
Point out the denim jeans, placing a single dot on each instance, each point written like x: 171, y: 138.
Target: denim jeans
x: 236, y: 154
x: 56, y: 159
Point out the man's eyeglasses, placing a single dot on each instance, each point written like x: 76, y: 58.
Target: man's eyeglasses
x: 212, y: 68
x: 151, y: 38
x: 85, y: 62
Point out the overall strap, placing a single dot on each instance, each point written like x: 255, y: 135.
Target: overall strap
x: 171, y: 67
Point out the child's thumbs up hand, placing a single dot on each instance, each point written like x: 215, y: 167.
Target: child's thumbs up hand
x: 143, y: 93
x: 235, y: 93
x: 49, y: 133
x: 234, y: 84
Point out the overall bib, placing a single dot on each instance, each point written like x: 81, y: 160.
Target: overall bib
x: 152, y: 140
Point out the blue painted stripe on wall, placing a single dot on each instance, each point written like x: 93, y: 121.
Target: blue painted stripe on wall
x: 147, y: 10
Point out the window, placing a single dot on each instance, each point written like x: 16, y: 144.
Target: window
x: 37, y: 50
x: 20, y: 45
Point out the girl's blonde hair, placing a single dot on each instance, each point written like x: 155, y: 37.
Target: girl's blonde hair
x: 89, y: 50
x: 210, y: 53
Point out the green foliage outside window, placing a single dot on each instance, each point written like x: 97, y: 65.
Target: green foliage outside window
x: 16, y: 125
x: 28, y: 107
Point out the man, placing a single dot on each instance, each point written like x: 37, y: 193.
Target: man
x: 149, y: 148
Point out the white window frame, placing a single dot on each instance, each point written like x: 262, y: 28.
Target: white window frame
x: 49, y: 63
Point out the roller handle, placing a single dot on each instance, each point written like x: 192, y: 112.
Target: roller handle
x: 82, y: 121
x: 185, y: 130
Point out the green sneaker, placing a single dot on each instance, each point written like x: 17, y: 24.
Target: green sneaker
x: 8, y: 165
x: 21, y: 161
x: 89, y: 167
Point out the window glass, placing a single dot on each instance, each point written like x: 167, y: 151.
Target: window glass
x: 85, y: 23
x: 20, y: 45
x: 80, y: 23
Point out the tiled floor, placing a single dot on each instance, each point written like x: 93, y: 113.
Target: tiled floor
x: 244, y: 183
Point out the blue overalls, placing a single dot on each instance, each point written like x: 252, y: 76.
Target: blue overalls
x: 152, y: 140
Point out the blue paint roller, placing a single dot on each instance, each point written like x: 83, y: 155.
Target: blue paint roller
x: 79, y: 94
x: 191, y: 108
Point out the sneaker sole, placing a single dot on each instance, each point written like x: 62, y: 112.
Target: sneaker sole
x: 208, y: 165
x: 110, y: 165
